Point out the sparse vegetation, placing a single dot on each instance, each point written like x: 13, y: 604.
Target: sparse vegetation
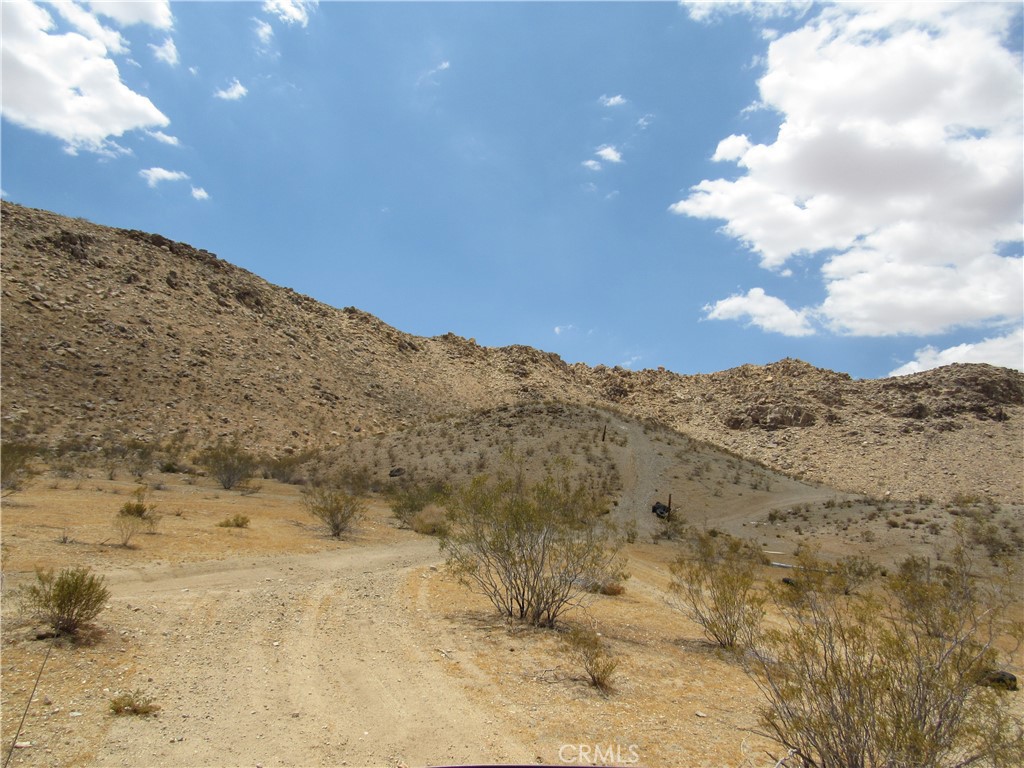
x: 335, y: 506
x: 236, y: 521
x: 714, y: 581
x: 531, y: 549
x: 67, y: 601
x: 229, y: 463
x: 133, y: 703
x: 586, y: 648
x: 888, y: 679
x: 15, y: 456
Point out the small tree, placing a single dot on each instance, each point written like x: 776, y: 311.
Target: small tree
x: 229, y: 463
x: 14, y: 460
x: 714, y: 581
x: 532, y: 550
x: 888, y: 679
x: 336, y: 507
x: 67, y: 601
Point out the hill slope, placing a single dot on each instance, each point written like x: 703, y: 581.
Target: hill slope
x: 109, y: 331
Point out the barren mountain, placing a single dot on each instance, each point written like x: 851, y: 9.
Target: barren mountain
x: 120, y: 332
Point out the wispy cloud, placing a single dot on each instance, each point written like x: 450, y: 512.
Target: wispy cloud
x: 428, y: 77
x: 560, y: 329
x: 612, y: 101
x: 163, y: 138
x: 233, y: 92
x: 609, y: 153
x: 154, y: 176
x: 166, y: 52
x: 264, y: 32
x: 290, y: 11
x: 592, y: 165
x: 200, y: 194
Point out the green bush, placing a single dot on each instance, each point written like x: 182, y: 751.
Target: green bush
x: 67, y: 601
x: 229, y: 463
x: 335, y: 507
x: 532, y: 550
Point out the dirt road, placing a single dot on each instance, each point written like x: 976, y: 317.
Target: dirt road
x: 307, y: 660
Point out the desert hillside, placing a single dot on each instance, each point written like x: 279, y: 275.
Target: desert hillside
x: 110, y: 332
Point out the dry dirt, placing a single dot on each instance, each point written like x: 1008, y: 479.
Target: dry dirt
x: 276, y: 645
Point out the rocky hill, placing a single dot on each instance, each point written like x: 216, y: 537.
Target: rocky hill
x: 125, y: 333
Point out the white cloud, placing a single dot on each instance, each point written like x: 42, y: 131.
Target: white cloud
x: 766, y: 312
x: 154, y: 176
x: 592, y: 165
x: 612, y: 101
x: 264, y: 32
x: 163, y: 138
x: 290, y: 11
x: 200, y: 194
x: 1007, y: 351
x: 66, y: 85
x: 707, y: 10
x: 428, y: 77
x: 233, y: 92
x: 643, y: 122
x: 897, y: 163
x: 560, y: 329
x: 609, y: 153
x: 155, y: 13
x: 166, y: 52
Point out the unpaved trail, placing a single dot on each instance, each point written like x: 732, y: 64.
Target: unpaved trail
x: 301, y: 660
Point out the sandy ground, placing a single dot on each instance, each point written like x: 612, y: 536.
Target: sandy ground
x: 278, y: 646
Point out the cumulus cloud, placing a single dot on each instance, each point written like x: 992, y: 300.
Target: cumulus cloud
x: 707, y: 10
x: 233, y: 92
x: 290, y: 11
x: 592, y: 165
x: 1007, y: 351
x: 896, y: 166
x: 154, y: 176
x: 155, y: 13
x: 612, y: 101
x: 65, y: 84
x: 609, y: 153
x: 166, y: 52
x: 766, y: 312
x: 200, y: 194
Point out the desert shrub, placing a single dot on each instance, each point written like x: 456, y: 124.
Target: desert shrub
x: 229, y: 463
x: 15, y: 456
x: 126, y: 526
x: 336, y: 507
x: 133, y: 703
x: 430, y: 521
x: 288, y: 468
x: 853, y: 572
x: 531, y: 549
x: 236, y: 521
x: 408, y: 499
x: 714, y: 581
x: 67, y: 601
x: 136, y: 515
x: 586, y: 648
x: 889, y: 678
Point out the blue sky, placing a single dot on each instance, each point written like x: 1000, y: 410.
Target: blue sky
x: 694, y: 186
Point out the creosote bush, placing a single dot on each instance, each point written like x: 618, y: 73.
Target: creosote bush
x: 714, y: 581
x: 531, y: 549
x: 134, y: 516
x: 236, y: 521
x: 336, y: 507
x: 889, y: 678
x: 67, y: 601
x: 229, y: 463
x: 15, y: 456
